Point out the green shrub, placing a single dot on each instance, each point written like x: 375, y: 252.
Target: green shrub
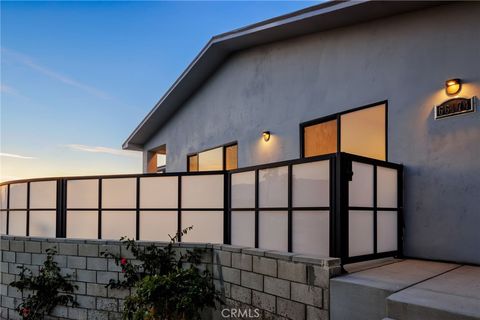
x: 165, y: 284
x: 44, y: 291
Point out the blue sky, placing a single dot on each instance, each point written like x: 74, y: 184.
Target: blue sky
x: 77, y: 77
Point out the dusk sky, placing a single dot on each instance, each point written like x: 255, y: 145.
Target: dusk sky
x: 77, y: 77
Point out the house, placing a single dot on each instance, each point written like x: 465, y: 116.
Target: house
x: 356, y: 77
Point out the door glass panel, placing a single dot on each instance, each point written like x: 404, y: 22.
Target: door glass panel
x: 363, y: 132
x: 210, y: 160
x: 320, y: 138
x: 193, y: 163
x: 231, y: 154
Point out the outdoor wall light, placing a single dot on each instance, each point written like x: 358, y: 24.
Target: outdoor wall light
x: 266, y: 135
x: 453, y: 86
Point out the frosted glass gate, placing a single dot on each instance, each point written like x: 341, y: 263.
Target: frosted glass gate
x: 337, y: 205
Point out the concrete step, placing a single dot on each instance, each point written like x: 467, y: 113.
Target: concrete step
x: 454, y: 295
x: 362, y: 295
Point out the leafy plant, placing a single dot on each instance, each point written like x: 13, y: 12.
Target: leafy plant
x: 45, y: 290
x: 166, y: 284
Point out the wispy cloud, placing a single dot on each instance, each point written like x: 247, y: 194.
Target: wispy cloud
x: 16, y: 156
x: 6, y: 89
x: 29, y: 62
x: 98, y: 149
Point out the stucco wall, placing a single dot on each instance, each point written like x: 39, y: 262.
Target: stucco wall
x: 403, y: 59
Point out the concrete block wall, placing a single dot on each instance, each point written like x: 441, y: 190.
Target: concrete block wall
x: 280, y: 285
x: 277, y: 285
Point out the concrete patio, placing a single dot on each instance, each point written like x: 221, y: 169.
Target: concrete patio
x: 407, y: 289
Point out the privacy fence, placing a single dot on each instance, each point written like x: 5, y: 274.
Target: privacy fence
x: 338, y: 205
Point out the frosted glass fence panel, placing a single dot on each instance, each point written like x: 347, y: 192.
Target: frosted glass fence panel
x: 117, y: 224
x: 119, y: 193
x: 82, y: 194
x: 361, y: 186
x: 360, y: 233
x: 273, y: 230
x: 18, y: 196
x: 387, y: 224
x: 207, y: 226
x: 243, y: 189
x: 311, y: 184
x: 311, y: 232
x: 204, y: 191
x: 43, y: 195
x: 387, y: 184
x: 159, y: 192
x: 157, y: 225
x: 3, y: 222
x: 273, y: 187
x: 243, y: 228
x: 17, y: 224
x: 43, y: 223
x: 82, y: 224
x: 3, y: 197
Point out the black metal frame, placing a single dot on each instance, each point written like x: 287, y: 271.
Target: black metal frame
x: 337, y: 117
x: 340, y: 166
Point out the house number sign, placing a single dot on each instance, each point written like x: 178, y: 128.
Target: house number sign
x: 454, y: 107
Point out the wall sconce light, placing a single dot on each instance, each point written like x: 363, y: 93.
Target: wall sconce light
x: 266, y: 135
x: 453, y: 86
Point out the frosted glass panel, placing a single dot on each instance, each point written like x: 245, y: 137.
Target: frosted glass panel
x: 273, y: 187
x: 18, y: 196
x: 211, y: 160
x: 363, y: 132
x: 207, y: 226
x: 320, y: 138
x: 386, y: 231
x: 204, y: 191
x: 82, y: 194
x: 82, y: 224
x: 43, y: 224
x: 117, y: 224
x: 159, y: 192
x: 17, y: 223
x: 311, y: 232
x: 157, y: 225
x: 311, y: 186
x: 386, y: 187
x: 43, y: 195
x: 3, y: 197
x: 3, y: 222
x: 119, y: 193
x: 273, y: 230
x: 243, y: 190
x: 361, y: 186
x: 360, y: 233
x: 243, y: 228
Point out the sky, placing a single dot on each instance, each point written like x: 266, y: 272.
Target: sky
x: 77, y: 77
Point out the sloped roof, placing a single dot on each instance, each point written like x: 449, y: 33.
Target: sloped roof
x: 325, y: 16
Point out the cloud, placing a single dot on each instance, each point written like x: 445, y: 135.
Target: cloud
x: 5, y: 89
x: 98, y: 149
x: 16, y: 156
x: 29, y: 62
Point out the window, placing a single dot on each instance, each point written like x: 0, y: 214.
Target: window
x: 219, y: 158
x: 362, y: 132
x: 157, y: 160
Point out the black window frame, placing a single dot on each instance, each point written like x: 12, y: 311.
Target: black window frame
x: 224, y: 158
x: 337, y: 116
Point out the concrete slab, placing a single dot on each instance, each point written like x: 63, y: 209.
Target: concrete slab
x: 362, y: 295
x: 452, y: 295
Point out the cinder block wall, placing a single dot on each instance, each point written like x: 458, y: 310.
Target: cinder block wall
x: 279, y: 285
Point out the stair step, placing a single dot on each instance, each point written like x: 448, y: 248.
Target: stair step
x: 454, y: 295
x: 362, y: 295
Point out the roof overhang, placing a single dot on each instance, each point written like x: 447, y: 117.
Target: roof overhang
x: 329, y: 15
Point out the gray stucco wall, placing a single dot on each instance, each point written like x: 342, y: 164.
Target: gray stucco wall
x: 404, y: 59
